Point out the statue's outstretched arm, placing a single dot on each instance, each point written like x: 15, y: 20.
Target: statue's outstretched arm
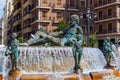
x: 56, y: 33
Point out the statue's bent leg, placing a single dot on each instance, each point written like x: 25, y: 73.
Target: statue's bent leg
x: 56, y: 40
x: 79, y: 55
x: 63, y: 41
x: 41, y: 34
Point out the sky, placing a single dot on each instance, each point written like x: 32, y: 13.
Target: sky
x: 2, y: 4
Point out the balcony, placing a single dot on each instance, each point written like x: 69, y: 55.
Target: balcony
x: 17, y: 6
x: 36, y: 6
x: 107, y: 17
x: 42, y: 20
x: 105, y: 3
x: 26, y: 23
x: 17, y: 28
x: 58, y: 7
x: 16, y: 1
x: 72, y: 8
x: 17, y: 17
x: 26, y: 17
x: 56, y: 20
x: 17, y: 11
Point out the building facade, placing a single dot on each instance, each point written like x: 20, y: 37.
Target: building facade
x: 7, y: 11
x: 1, y: 34
x: 29, y: 15
x: 108, y: 20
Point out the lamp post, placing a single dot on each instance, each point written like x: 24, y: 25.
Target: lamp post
x: 88, y: 20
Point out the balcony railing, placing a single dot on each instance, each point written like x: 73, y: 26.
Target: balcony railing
x: 105, y: 16
x: 17, y: 17
x: 72, y: 7
x: 104, y: 2
x: 34, y: 18
x: 17, y: 6
x: 17, y: 28
x: 34, y: 5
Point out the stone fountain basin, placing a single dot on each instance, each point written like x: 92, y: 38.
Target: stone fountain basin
x: 47, y: 61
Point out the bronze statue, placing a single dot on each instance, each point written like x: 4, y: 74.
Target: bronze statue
x: 77, y: 46
x: 69, y: 33
x: 107, y: 50
x: 73, y: 36
x: 12, y: 51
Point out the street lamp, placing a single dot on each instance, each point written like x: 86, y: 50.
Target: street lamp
x: 88, y: 21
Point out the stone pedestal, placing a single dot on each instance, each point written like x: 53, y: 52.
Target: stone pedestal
x: 15, y: 73
x: 1, y: 76
x: 109, y: 67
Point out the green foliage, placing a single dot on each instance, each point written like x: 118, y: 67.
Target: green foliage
x: 119, y: 41
x: 61, y: 25
x: 93, y: 40
x: 21, y: 39
x: 84, y: 43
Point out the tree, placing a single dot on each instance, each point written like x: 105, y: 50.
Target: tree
x: 93, y: 40
x: 61, y: 25
x: 21, y: 39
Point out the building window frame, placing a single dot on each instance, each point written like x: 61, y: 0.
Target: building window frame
x: 100, y: 15
x: 110, y: 27
x: 100, y: 28
x: 109, y: 12
x: 82, y: 5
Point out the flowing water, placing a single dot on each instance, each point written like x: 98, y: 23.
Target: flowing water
x: 47, y: 60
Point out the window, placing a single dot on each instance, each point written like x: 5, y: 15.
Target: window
x: 100, y: 28
x: 109, y: 12
x: 100, y: 2
x: 26, y: 10
x: 44, y: 15
x: 84, y: 16
x: 17, y: 17
x: 109, y: 1
x: 34, y: 16
x: 91, y: 28
x: 72, y: 3
x: 100, y: 15
x: 17, y: 6
x: 59, y: 16
x: 82, y: 3
x: 59, y: 2
x: 26, y: 23
x: 72, y: 14
x: 109, y: 27
x: 17, y: 28
x: 91, y: 2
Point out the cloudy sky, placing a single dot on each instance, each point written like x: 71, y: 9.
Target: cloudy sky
x: 2, y: 3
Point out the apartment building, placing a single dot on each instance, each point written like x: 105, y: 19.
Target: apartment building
x: 29, y: 15
x: 1, y: 36
x: 108, y: 20
x: 7, y: 11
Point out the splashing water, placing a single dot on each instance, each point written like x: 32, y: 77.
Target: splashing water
x: 79, y: 75
x: 47, y: 60
x: 92, y: 60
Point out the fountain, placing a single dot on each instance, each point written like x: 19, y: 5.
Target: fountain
x: 58, y: 62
